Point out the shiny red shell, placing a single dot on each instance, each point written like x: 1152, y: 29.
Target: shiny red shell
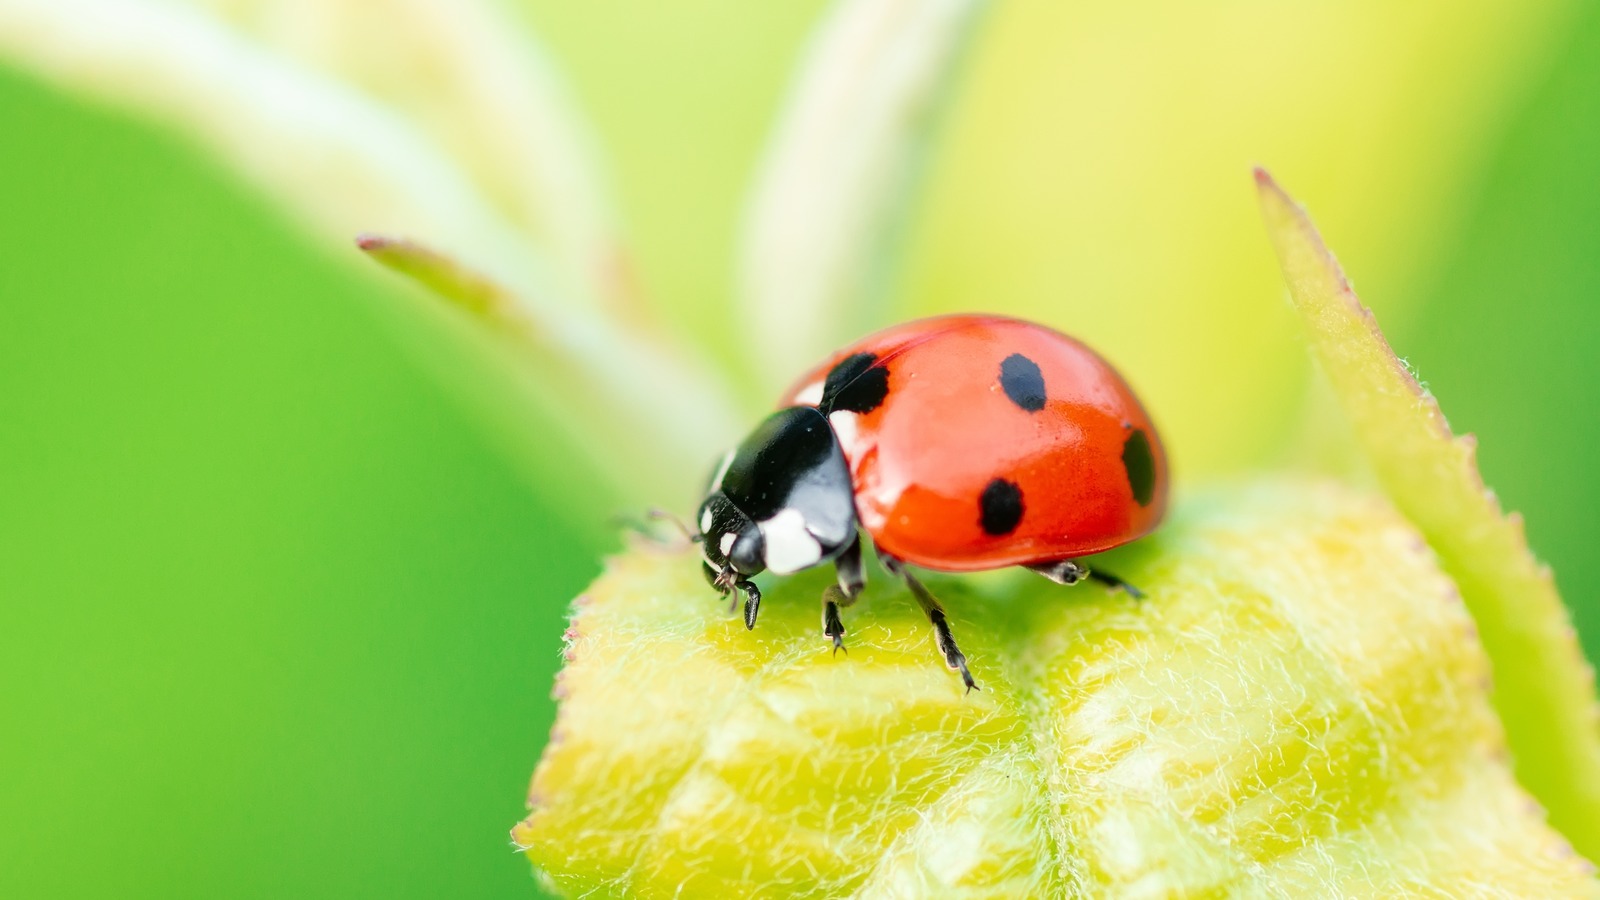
x: 1086, y: 459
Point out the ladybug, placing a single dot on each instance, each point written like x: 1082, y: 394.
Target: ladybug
x: 957, y: 444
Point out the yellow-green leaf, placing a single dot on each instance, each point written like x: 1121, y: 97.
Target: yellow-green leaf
x: 1544, y: 689
x: 1299, y: 708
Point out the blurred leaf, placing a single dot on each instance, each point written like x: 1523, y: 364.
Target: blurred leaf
x: 1544, y: 689
x: 1298, y: 709
x: 448, y: 279
x: 840, y: 173
x: 1088, y: 180
x: 325, y: 151
x: 512, y: 364
x: 345, y: 161
x: 474, y: 82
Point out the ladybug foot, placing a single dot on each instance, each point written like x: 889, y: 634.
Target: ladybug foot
x: 752, y: 602
x: 942, y: 638
x: 832, y: 625
x: 953, y: 657
x: 833, y: 629
x: 1116, y: 584
x: 1070, y: 571
x: 728, y: 584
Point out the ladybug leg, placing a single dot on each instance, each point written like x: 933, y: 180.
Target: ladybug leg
x: 727, y: 582
x: 1115, y: 583
x: 1065, y: 571
x: 942, y: 638
x: 832, y: 626
x: 752, y: 601
x: 719, y: 580
x: 852, y: 577
x: 1070, y: 571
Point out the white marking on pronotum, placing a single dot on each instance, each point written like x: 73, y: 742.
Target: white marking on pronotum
x: 727, y: 542
x: 722, y: 471
x: 705, y: 520
x: 790, y: 547
x: 844, y: 428
x: 811, y: 396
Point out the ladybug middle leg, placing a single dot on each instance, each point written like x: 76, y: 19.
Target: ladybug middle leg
x: 1071, y: 571
x: 852, y: 578
x: 942, y: 638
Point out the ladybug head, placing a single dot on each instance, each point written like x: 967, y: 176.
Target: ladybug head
x: 731, y: 542
x: 781, y: 500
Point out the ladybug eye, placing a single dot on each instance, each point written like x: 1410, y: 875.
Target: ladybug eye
x: 745, y: 551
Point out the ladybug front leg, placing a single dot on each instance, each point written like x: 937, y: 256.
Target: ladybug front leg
x: 852, y: 578
x: 752, y: 601
x: 942, y: 638
x: 726, y: 582
x: 1070, y: 571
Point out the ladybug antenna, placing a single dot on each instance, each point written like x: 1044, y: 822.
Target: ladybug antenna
x: 646, y: 526
x: 657, y: 514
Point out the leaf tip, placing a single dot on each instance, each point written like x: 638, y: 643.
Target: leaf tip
x: 1279, y: 207
x: 1301, y: 249
x: 521, y: 840
x: 367, y: 242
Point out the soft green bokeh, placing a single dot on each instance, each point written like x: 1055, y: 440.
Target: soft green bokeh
x: 1508, y: 338
x: 275, y: 620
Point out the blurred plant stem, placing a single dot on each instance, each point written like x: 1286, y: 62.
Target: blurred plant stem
x: 826, y: 213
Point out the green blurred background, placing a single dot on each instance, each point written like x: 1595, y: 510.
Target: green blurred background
x: 277, y: 619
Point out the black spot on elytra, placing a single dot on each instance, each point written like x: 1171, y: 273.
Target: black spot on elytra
x: 857, y: 384
x: 1023, y: 382
x: 1141, y: 466
x: 1000, y: 507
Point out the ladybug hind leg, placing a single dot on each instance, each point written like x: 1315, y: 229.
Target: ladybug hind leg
x: 942, y: 638
x: 1071, y: 571
x: 852, y: 578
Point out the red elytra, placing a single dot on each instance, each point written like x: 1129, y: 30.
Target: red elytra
x: 1086, y: 469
